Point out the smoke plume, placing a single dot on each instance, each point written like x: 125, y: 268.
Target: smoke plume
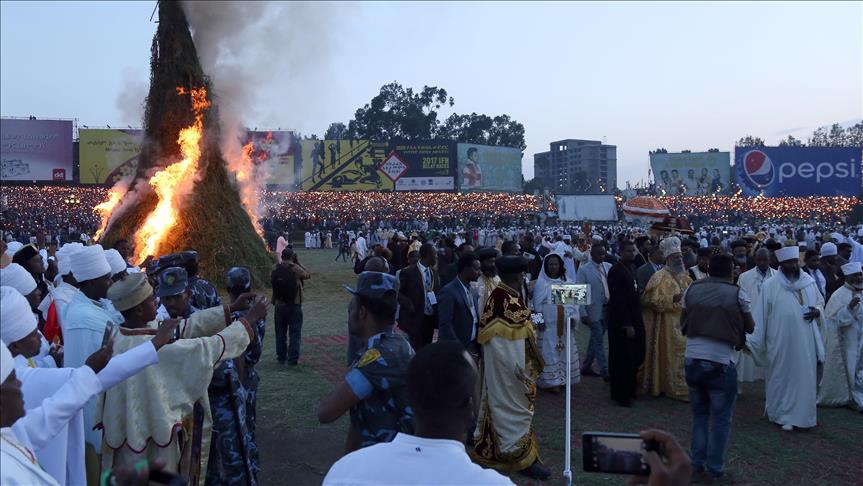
x: 267, y: 61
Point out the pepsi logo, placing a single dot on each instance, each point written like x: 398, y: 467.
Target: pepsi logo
x: 758, y: 168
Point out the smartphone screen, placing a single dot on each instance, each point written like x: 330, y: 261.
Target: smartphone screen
x: 614, y: 453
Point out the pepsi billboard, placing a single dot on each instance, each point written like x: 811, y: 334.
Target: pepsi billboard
x: 798, y: 171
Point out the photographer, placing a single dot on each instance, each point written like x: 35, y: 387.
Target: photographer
x: 287, y: 282
x: 716, y: 317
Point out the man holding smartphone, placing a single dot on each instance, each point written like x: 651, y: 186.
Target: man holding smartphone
x: 716, y: 317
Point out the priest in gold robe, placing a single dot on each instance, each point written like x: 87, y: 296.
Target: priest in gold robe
x: 510, y: 366
x: 153, y: 415
x: 662, y: 371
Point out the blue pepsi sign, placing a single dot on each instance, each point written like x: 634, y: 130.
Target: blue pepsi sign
x: 798, y: 171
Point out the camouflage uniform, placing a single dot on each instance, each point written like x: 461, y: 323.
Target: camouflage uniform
x: 233, y: 393
x: 204, y: 294
x: 378, y: 379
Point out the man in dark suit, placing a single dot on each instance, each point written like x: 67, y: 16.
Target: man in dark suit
x: 625, y: 327
x: 656, y: 258
x: 451, y: 272
x: 419, y: 283
x: 457, y: 314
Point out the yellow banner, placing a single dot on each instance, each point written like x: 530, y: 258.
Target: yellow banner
x: 343, y: 165
x: 107, y: 155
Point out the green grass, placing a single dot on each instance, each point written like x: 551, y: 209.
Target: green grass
x: 297, y: 450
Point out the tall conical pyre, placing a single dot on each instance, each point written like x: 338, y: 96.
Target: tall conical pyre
x: 182, y: 197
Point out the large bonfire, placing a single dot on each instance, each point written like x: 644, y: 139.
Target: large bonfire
x: 181, y: 197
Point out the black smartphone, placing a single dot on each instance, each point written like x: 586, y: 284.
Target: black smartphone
x: 170, y: 479
x: 609, y: 452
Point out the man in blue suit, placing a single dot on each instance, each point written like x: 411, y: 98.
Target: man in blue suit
x: 458, y: 315
x: 593, y: 315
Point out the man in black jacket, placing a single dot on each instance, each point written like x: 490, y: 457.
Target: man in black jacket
x: 625, y: 327
x: 458, y: 315
x: 418, y: 283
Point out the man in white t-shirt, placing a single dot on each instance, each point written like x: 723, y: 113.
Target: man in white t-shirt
x: 441, y: 389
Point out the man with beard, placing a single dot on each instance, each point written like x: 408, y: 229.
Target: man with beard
x: 486, y: 282
x: 830, y: 269
x: 699, y: 271
x: 625, y: 327
x: 842, y: 383
x: 741, y: 261
x: 663, y: 371
x: 787, y: 342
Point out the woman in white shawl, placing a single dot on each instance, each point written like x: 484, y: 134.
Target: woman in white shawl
x: 552, y: 333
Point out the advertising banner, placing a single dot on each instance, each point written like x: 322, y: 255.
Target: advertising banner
x: 343, y: 165
x: 425, y: 165
x: 586, y: 208
x: 273, y: 155
x: 36, y: 150
x: 487, y: 168
x: 108, y: 155
x: 798, y: 171
x: 691, y: 174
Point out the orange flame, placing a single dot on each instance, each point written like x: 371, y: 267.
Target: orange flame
x: 173, y: 181
x: 106, y: 208
x: 248, y: 190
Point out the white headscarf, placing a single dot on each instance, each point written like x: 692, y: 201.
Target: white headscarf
x: 542, y: 290
x: 16, y: 277
x: 115, y: 261
x: 16, y: 317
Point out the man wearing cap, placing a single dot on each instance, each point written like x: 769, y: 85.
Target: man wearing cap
x: 56, y: 446
x: 842, y: 382
x: 699, y: 270
x: 140, y: 417
x: 663, y: 371
x: 16, y: 277
x: 203, y: 293
x: 117, y: 264
x: 812, y: 264
x: 830, y: 269
x: 84, y: 320
x: 232, y: 392
x: 374, y: 388
x: 511, y: 364
x: 787, y: 342
x: 53, y: 306
x: 175, y: 296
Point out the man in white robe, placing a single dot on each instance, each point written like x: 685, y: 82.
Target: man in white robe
x: 57, y: 435
x: 153, y: 415
x: 842, y: 382
x: 751, y: 281
x: 787, y: 342
x: 362, y: 246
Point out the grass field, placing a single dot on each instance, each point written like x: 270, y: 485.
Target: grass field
x: 296, y: 450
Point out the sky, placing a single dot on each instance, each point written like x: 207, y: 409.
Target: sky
x: 638, y: 75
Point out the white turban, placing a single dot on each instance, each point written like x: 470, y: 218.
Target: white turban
x: 851, y: 268
x: 16, y: 277
x: 860, y: 232
x: 670, y: 246
x: 837, y: 236
x: 16, y: 317
x: 64, y: 257
x: 787, y: 253
x: 89, y: 263
x: 7, y: 363
x: 828, y: 249
x: 13, y: 247
x: 115, y: 261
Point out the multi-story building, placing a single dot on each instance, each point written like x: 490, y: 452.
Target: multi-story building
x: 578, y: 167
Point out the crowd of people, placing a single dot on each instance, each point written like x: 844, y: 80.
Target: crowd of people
x: 92, y: 344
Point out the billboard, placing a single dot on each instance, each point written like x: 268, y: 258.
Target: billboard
x: 692, y: 174
x: 342, y: 165
x: 425, y: 165
x: 108, y: 155
x: 798, y: 171
x: 35, y: 150
x: 273, y: 155
x: 487, y: 168
x: 586, y: 208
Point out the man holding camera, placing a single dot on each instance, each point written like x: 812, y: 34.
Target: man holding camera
x: 716, y: 317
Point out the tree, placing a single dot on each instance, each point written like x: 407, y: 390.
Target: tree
x: 791, y: 142
x: 854, y: 135
x: 483, y: 129
x: 336, y: 131
x: 750, y: 141
x: 535, y: 184
x: 397, y: 112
